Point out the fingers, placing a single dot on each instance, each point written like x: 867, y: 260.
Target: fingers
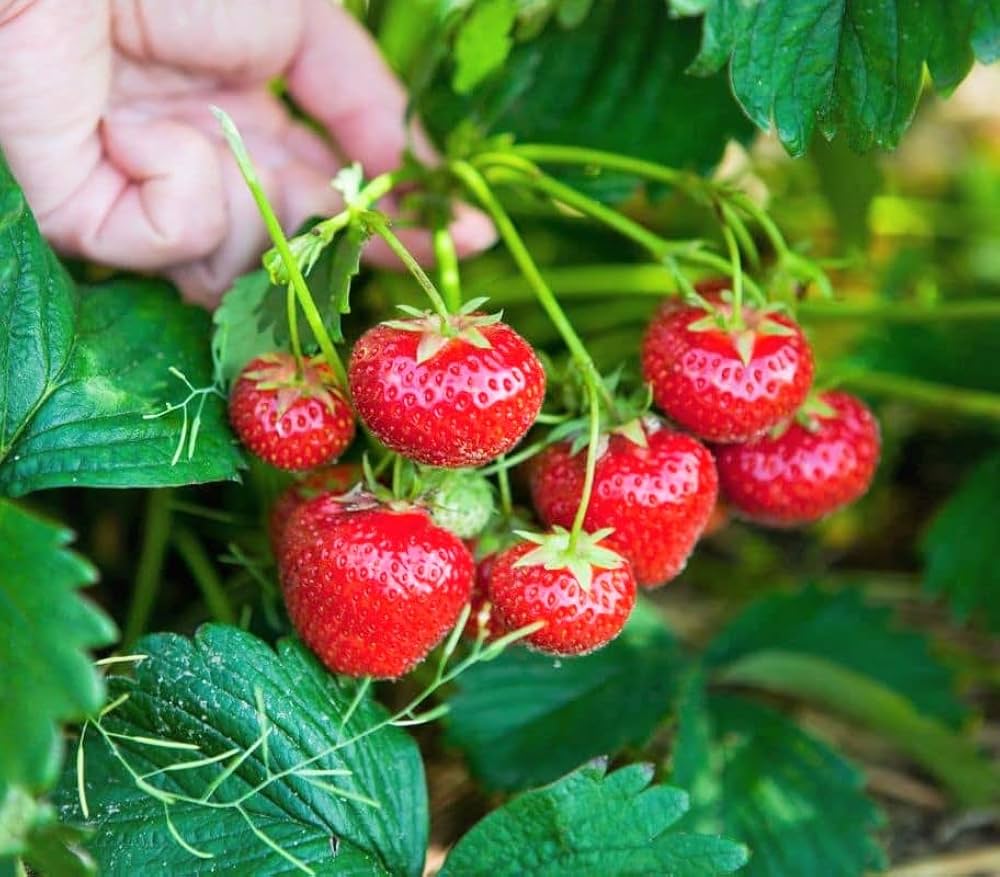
x: 340, y: 78
x: 155, y: 198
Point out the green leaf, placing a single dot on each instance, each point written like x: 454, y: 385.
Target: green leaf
x: 839, y: 627
x: 593, y: 822
x: 45, y: 630
x: 29, y: 832
x: 483, y: 42
x: 92, y: 427
x: 616, y: 82
x: 239, y: 333
x: 959, y: 547
x: 345, y: 263
x: 756, y: 777
x: 850, y: 65
x: 282, y: 713
x: 526, y: 719
x: 941, y: 752
x: 82, y: 368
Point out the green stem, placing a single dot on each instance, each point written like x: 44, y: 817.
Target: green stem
x: 380, y: 226
x: 659, y: 247
x: 293, y: 324
x: 479, y: 188
x: 588, y: 476
x: 503, y: 482
x: 447, y: 264
x: 193, y: 553
x: 397, y: 475
x: 734, y: 257
x: 156, y: 533
x: 975, y: 403
x: 277, y: 235
x: 547, y: 153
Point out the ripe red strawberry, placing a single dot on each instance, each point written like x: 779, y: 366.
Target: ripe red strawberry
x: 371, y: 589
x: 480, y: 597
x: 655, y: 487
x: 583, y: 595
x: 726, y: 385
x: 290, y: 420
x: 808, y: 470
x: 452, y: 400
x: 331, y: 479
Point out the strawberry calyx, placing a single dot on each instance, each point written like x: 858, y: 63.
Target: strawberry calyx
x: 558, y: 549
x: 293, y: 380
x: 809, y: 416
x: 742, y: 325
x: 437, y: 330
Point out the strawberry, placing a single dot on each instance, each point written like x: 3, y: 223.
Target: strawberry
x: 452, y: 393
x: 654, y: 487
x: 726, y: 379
x: 482, y: 602
x: 822, y: 460
x: 331, y: 479
x: 458, y: 501
x: 291, y: 419
x: 371, y: 589
x: 581, y: 593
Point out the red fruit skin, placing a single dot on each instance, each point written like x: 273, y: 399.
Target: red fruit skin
x: 372, y: 591
x: 658, y: 499
x: 576, y: 621
x: 700, y: 382
x: 480, y: 597
x: 462, y: 407
x: 801, y: 476
x: 308, y: 433
x: 336, y: 479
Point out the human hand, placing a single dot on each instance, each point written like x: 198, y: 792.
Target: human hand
x: 105, y: 121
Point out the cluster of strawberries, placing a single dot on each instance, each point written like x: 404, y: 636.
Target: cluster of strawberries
x: 373, y: 583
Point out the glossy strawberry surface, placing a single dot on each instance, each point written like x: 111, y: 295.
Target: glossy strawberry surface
x: 464, y: 406
x: 700, y: 381
x: 576, y: 621
x: 658, y: 498
x: 372, y: 590
x: 480, y: 598
x: 291, y: 421
x: 803, y: 474
x: 335, y: 479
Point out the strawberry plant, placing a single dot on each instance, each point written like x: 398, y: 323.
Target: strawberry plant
x: 653, y: 539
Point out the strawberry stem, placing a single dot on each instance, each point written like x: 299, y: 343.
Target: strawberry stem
x: 447, y: 264
x: 480, y: 189
x: 503, y: 483
x: 736, y: 317
x: 293, y: 325
x: 378, y: 224
x: 659, y: 247
x: 277, y: 234
x: 591, y: 467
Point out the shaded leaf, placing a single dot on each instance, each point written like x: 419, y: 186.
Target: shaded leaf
x: 958, y: 547
x: 282, y: 712
x: 483, y: 42
x: 239, y: 333
x: 839, y: 627
x: 45, y: 631
x: 345, y: 263
x: 759, y: 779
x: 525, y: 719
x: 592, y: 822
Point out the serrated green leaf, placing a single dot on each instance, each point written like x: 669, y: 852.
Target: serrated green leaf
x: 91, y: 427
x: 840, y: 627
x: 959, y: 547
x: 345, y: 263
x: 224, y: 689
x: 615, y: 82
x: 759, y: 779
x: 239, y: 333
x: 592, y: 822
x: 852, y: 66
x: 45, y: 630
x: 483, y: 42
x: 525, y: 719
